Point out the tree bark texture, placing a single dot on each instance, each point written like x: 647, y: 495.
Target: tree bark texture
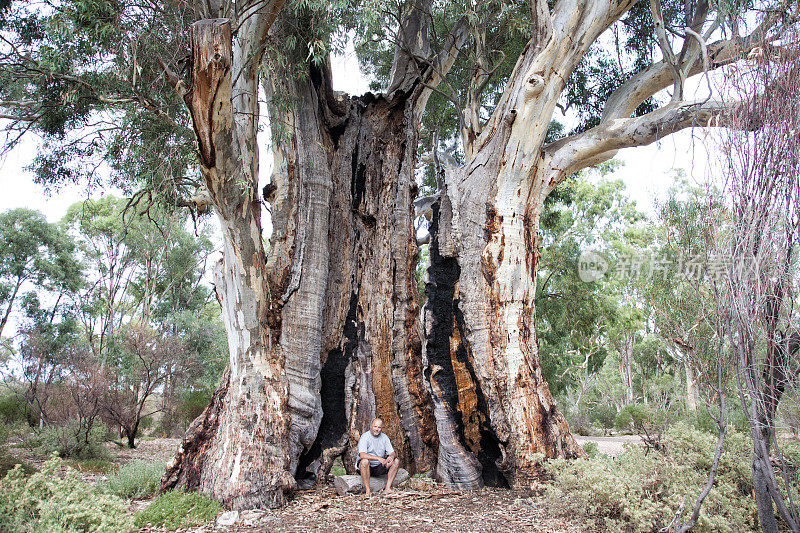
x: 356, y: 353
x: 236, y: 451
x: 324, y: 333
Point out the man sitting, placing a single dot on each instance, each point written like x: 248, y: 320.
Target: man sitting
x: 376, y: 457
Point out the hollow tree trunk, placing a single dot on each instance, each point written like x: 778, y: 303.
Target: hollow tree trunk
x: 488, y: 232
x: 481, y: 343
x: 355, y: 352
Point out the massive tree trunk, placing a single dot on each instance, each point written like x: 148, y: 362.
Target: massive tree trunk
x: 482, y: 347
x: 237, y: 450
x: 324, y: 334
x: 342, y: 194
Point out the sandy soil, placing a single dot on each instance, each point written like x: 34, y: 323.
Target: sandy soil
x: 611, y: 446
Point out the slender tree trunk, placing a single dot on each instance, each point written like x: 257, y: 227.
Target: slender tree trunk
x: 691, y: 386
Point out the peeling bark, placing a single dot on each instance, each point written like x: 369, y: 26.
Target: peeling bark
x: 237, y: 450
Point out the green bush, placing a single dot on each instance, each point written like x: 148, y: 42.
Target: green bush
x: 46, y: 501
x: 14, y: 408
x: 138, y: 479
x: 641, y: 491
x: 591, y: 449
x: 634, y: 416
x: 178, y: 509
x: 72, y: 441
x: 603, y: 415
x: 702, y: 421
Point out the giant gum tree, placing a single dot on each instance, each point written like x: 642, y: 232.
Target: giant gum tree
x: 324, y: 329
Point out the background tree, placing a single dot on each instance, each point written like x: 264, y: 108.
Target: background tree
x: 762, y: 179
x: 34, y: 252
x: 137, y: 368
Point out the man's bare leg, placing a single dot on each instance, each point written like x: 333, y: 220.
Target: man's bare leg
x: 392, y: 472
x: 363, y: 466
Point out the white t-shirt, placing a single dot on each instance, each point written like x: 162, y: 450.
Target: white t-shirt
x: 378, y: 446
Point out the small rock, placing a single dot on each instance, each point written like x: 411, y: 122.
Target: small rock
x: 252, y: 517
x: 228, y: 519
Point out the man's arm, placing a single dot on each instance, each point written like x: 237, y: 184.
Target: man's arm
x: 381, y: 460
x: 390, y: 449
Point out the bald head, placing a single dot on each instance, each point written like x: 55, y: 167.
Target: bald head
x: 377, y: 427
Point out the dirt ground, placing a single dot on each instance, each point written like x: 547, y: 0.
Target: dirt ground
x: 410, y: 509
x: 611, y: 446
x: 420, y: 505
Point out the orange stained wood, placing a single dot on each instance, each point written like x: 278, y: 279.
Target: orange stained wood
x: 467, y: 396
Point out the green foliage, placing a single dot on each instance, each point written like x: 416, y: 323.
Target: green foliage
x: 591, y: 449
x: 49, y: 501
x: 37, y: 252
x: 603, y: 415
x: 72, y: 440
x: 641, y: 419
x: 175, y: 509
x: 640, y: 491
x: 573, y: 317
x: 135, y: 480
x: 14, y: 408
x: 193, y: 403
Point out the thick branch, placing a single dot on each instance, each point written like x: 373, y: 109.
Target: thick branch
x: 412, y: 43
x: 599, y: 144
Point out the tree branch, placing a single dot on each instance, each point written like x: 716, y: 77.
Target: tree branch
x: 412, y: 43
x: 647, y: 82
x: 600, y: 143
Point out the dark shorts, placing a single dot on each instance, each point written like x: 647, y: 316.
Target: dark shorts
x: 378, y: 470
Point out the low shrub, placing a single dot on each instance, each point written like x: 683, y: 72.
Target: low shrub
x: 137, y: 479
x: 633, y: 416
x: 72, y: 441
x: 602, y: 415
x: 591, y: 449
x: 173, y: 510
x: 14, y: 408
x: 641, y: 491
x: 702, y: 421
x: 7, y: 463
x: 645, y: 421
x: 47, y: 501
x: 94, y: 466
